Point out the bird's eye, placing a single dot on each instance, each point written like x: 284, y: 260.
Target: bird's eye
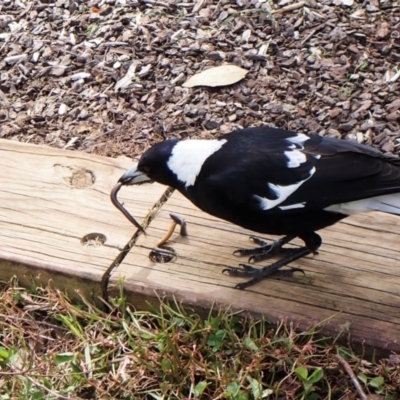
x: 146, y: 168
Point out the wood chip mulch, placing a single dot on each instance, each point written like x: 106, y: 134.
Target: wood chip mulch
x: 106, y: 76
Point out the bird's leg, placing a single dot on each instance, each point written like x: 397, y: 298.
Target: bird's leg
x: 312, y: 243
x: 265, y: 250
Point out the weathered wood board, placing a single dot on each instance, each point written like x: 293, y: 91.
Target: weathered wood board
x: 355, y: 278
x: 49, y: 200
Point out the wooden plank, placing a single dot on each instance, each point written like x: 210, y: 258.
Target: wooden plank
x: 355, y: 278
x: 49, y: 200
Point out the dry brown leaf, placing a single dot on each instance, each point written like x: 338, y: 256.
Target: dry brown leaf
x: 223, y: 75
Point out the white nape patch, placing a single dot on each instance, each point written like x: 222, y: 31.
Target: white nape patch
x: 188, y: 156
x: 389, y: 203
x: 293, y: 206
x: 299, y: 138
x: 282, y: 192
x: 295, y: 158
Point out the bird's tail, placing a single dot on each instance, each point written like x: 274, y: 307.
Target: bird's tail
x: 388, y: 203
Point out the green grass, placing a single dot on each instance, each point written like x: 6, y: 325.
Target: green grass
x: 346, y: 90
x: 92, y: 29
x: 51, y: 348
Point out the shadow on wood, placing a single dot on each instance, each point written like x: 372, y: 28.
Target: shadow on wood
x: 354, y: 279
x: 51, y: 199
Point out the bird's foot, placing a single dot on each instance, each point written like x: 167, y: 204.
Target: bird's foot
x: 265, y: 250
x: 247, y: 271
x: 258, y: 274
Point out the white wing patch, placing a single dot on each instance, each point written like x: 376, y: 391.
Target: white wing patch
x: 295, y: 155
x: 292, y: 206
x: 282, y: 193
x: 188, y: 157
x: 299, y: 138
x: 295, y: 158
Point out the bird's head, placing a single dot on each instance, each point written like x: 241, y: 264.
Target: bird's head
x: 152, y: 166
x: 175, y: 163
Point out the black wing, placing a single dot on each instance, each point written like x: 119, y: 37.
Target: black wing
x: 274, y: 169
x: 346, y: 172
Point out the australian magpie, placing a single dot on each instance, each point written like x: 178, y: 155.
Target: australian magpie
x: 276, y: 182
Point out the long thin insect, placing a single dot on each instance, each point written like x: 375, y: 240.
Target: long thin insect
x: 121, y: 208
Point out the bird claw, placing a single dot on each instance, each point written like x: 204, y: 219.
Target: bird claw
x: 264, y: 248
x: 274, y: 251
x: 288, y: 272
x: 260, y: 257
x: 259, y: 241
x: 256, y: 274
x: 261, y: 253
x: 250, y: 272
x: 245, y: 270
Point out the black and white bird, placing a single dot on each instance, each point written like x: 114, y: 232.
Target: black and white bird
x: 276, y: 182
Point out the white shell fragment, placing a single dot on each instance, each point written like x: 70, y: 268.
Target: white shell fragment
x: 127, y: 79
x: 80, y: 75
x: 246, y: 35
x: 144, y: 70
x: 62, y: 109
x: 16, y: 59
x: 5, y: 36
x: 395, y: 77
x: 35, y: 56
x: 223, y: 75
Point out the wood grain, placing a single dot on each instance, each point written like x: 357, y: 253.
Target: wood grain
x: 49, y: 200
x: 354, y: 279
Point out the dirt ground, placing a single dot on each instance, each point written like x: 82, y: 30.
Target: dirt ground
x: 329, y: 67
